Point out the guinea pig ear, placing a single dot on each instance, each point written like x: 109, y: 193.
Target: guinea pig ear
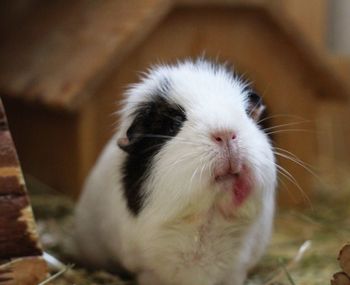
x: 255, y: 106
x: 133, y: 133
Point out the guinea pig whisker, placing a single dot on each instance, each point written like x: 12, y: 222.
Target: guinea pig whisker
x: 164, y: 137
x: 279, y: 116
x: 280, y: 181
x: 289, y: 177
x: 173, y: 118
x: 196, y: 170
x: 290, y: 130
x: 300, y: 163
x: 289, y: 157
x: 285, y: 187
x: 192, y: 177
x: 181, y: 141
x: 210, y: 164
x: 152, y: 147
x: 285, y: 173
x: 283, y: 125
x: 161, y: 144
x: 280, y: 171
x: 170, y: 166
x: 157, y: 136
x: 181, y: 159
x: 294, y: 156
x: 200, y: 175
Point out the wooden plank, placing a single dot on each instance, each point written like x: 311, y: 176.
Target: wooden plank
x: 318, y: 65
x: 310, y: 18
x: 67, y: 47
x: 88, y: 126
x: 67, y: 50
x: 218, y: 3
x: 334, y: 147
x: 54, y: 158
x: 342, y: 67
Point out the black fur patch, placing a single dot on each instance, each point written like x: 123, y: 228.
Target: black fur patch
x: 155, y: 123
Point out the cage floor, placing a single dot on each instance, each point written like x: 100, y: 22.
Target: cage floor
x: 318, y: 231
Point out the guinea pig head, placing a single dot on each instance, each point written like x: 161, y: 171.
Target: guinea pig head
x: 191, y: 137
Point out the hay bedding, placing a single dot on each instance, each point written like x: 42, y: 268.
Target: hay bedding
x: 322, y: 230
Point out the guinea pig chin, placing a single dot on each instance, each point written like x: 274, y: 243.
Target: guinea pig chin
x: 237, y: 184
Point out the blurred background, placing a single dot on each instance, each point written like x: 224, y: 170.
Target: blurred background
x: 64, y: 66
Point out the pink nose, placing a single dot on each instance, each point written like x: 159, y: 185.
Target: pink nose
x: 224, y: 137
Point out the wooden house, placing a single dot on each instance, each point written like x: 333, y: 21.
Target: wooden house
x: 64, y: 67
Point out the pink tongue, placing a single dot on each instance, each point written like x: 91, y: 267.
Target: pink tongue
x: 241, y: 190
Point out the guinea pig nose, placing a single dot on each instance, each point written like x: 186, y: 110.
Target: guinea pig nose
x: 224, y: 136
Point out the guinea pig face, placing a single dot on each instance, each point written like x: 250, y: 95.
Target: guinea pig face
x: 190, y: 134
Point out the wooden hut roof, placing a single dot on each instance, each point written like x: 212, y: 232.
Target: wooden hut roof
x: 58, y: 52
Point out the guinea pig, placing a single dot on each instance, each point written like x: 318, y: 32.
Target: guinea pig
x: 184, y: 192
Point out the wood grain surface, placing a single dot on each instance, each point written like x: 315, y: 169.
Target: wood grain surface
x: 66, y: 50
x: 18, y: 237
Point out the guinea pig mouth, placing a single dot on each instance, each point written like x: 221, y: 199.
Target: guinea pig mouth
x: 227, y: 176
x: 238, y: 183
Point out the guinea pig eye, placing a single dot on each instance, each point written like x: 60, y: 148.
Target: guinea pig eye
x: 172, y: 128
x: 254, y: 99
x: 176, y: 124
x: 178, y: 119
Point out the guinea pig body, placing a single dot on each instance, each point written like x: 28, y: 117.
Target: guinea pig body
x: 184, y: 192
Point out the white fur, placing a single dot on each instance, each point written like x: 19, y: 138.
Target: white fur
x: 181, y: 236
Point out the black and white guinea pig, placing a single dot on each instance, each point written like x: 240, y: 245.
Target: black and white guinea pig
x: 184, y: 192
